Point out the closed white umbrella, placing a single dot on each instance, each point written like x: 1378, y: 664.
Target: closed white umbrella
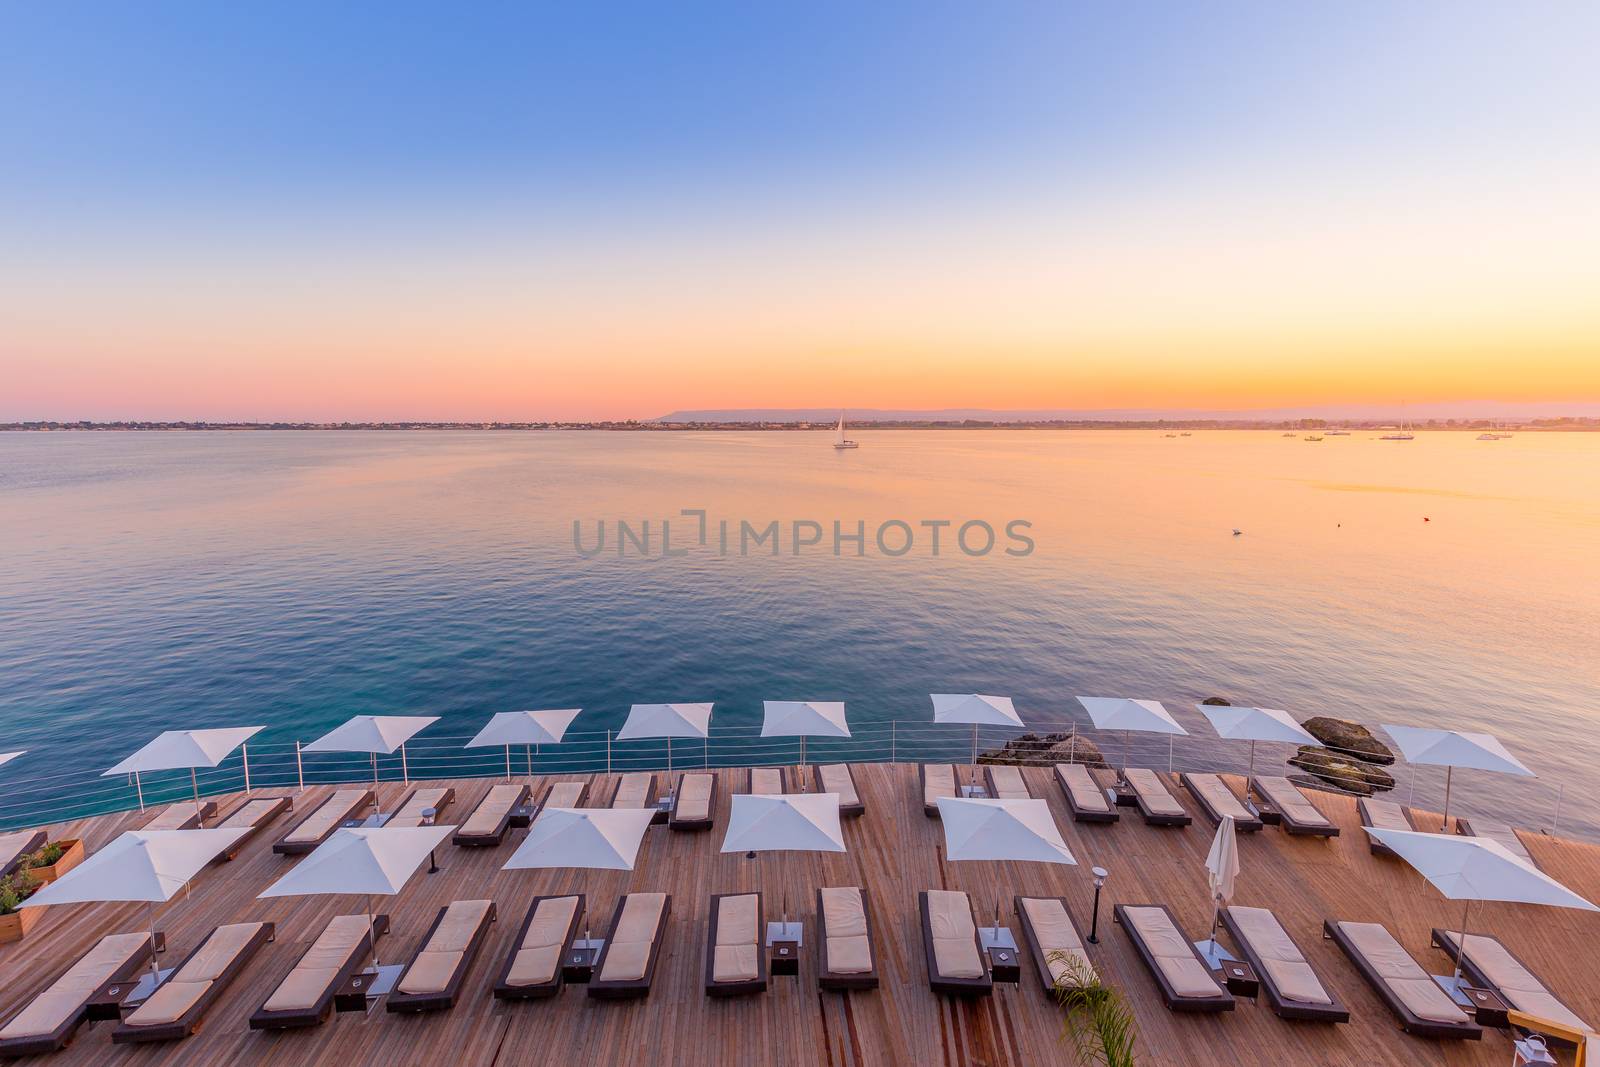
x: 376, y: 735
x: 803, y: 718
x: 668, y: 721
x: 1000, y: 831
x: 1130, y: 716
x: 361, y: 861
x: 789, y: 822
x: 527, y: 728
x: 1252, y: 725
x: 140, y: 865
x: 174, y: 750
x: 1454, y: 748
x: 1222, y: 868
x: 1476, y: 868
x: 976, y: 709
x: 7, y: 757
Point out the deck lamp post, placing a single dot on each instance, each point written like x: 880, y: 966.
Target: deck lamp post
x: 1100, y: 876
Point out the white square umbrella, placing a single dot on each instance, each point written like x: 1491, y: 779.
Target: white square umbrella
x: 526, y: 728
x: 361, y: 861
x: 668, y: 721
x: 1130, y: 716
x: 140, y: 865
x: 1454, y: 748
x: 376, y: 735
x: 174, y: 750
x: 604, y: 839
x: 1252, y: 725
x: 999, y: 831
x: 803, y: 718
x: 1475, y: 868
x: 7, y: 757
x: 976, y: 709
x: 788, y: 822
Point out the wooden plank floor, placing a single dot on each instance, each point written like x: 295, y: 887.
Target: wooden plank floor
x: 894, y: 853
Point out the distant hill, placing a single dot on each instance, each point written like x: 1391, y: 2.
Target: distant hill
x: 1366, y: 412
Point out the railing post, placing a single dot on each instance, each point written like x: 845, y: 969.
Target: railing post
x: 299, y: 767
x: 1072, y: 745
x: 246, y: 750
x: 893, y: 723
x: 608, y: 751
x: 405, y: 768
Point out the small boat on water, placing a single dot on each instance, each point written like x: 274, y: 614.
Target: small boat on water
x: 839, y: 439
x: 1172, y: 435
x: 1489, y: 437
x: 1338, y: 433
x: 1313, y: 437
x: 1291, y: 435
x: 1402, y: 434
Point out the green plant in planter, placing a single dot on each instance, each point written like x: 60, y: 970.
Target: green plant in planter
x: 46, y: 856
x: 1099, y: 1022
x: 14, y: 889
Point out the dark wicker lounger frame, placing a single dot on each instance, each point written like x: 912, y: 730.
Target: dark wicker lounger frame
x: 1151, y: 818
x: 955, y: 987
x: 838, y: 981
x: 1223, y: 1001
x: 1410, y: 1021
x: 932, y: 810
x: 503, y: 989
x: 62, y: 1035
x: 675, y: 822
x: 1249, y: 824
x: 503, y: 827
x: 1283, y: 1007
x: 846, y: 811
x: 443, y: 999
x: 1443, y: 940
x: 1287, y: 823
x: 758, y: 984
x: 1041, y: 963
x: 285, y: 847
x: 626, y: 989
x: 279, y: 806
x: 1109, y: 815
x: 190, y: 1021
x: 318, y: 1013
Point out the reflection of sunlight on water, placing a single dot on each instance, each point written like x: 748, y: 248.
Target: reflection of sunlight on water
x: 299, y: 578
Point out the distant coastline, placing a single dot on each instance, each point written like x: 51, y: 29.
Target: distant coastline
x: 1561, y: 423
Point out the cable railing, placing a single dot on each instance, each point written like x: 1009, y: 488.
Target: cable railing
x: 59, y: 797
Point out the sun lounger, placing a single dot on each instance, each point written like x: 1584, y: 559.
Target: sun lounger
x: 1400, y: 982
x: 325, y: 818
x: 693, y: 802
x: 634, y: 790
x: 765, y: 781
x: 735, y: 960
x: 951, y: 946
x: 409, y: 813
x: 490, y: 821
x: 1180, y: 971
x: 252, y: 816
x: 1006, y: 782
x: 1217, y: 800
x: 1087, y: 801
x: 182, y: 816
x: 1156, y: 802
x: 1294, y: 989
x: 838, y: 778
x: 1286, y: 805
x: 432, y: 980
x: 1488, y: 964
x: 565, y: 795
x: 50, y: 1019
x: 305, y: 996
x: 178, y: 1005
x: 627, y: 963
x: 1383, y: 815
x: 13, y: 847
x: 1499, y: 832
x: 937, y: 780
x: 532, y: 969
x: 844, y: 925
x: 1050, y: 930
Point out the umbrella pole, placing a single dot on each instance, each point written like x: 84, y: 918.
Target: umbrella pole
x: 194, y: 783
x: 405, y: 768
x: 372, y: 932
x: 1461, y: 946
x: 529, y: 754
x: 139, y: 787
x: 1251, y: 773
x: 1448, y: 771
x: 150, y: 913
x: 802, y: 757
x: 375, y: 782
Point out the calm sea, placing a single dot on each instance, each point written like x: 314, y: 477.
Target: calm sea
x: 151, y: 581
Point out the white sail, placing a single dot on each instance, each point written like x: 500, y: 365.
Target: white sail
x: 838, y: 435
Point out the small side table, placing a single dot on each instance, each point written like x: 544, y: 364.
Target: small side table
x: 352, y: 996
x: 577, y: 965
x: 1004, y: 966
x: 521, y: 816
x: 1240, y: 978
x: 1488, y: 1006
x: 783, y: 957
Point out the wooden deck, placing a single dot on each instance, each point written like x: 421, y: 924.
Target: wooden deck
x: 893, y: 853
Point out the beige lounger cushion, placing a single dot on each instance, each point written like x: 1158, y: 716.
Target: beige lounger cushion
x: 540, y: 952
x: 1173, y: 954
x: 836, y: 779
x: 1053, y: 929
x: 248, y: 814
x: 1286, y: 797
x: 938, y: 780
x: 1504, y: 834
x: 316, y: 825
x: 734, y: 956
x: 1086, y: 795
x: 185, y: 988
x: 486, y: 818
x: 849, y: 950
x: 420, y: 801
x: 694, y: 797
x: 65, y: 996
x: 564, y: 795
x: 1008, y: 783
x: 320, y: 966
x: 633, y: 790
x: 1413, y: 987
x: 1385, y: 815
x: 1284, y: 963
x: 11, y: 846
x: 955, y: 946
x: 172, y: 817
x: 628, y: 956
x: 1153, y: 791
x: 436, y: 964
x: 1524, y: 991
x: 1219, y: 797
x: 168, y: 1003
x: 766, y: 780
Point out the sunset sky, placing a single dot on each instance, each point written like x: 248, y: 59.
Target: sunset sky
x: 394, y: 210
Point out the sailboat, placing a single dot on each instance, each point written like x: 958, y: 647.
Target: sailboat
x: 1402, y: 434
x: 839, y: 439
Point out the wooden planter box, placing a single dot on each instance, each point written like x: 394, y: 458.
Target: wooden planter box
x: 70, y: 858
x: 15, y: 927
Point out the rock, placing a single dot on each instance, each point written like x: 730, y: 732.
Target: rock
x: 1349, y: 739
x: 1032, y: 750
x: 1216, y: 702
x: 1346, y: 775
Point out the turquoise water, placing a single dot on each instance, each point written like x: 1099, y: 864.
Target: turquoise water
x: 152, y: 581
